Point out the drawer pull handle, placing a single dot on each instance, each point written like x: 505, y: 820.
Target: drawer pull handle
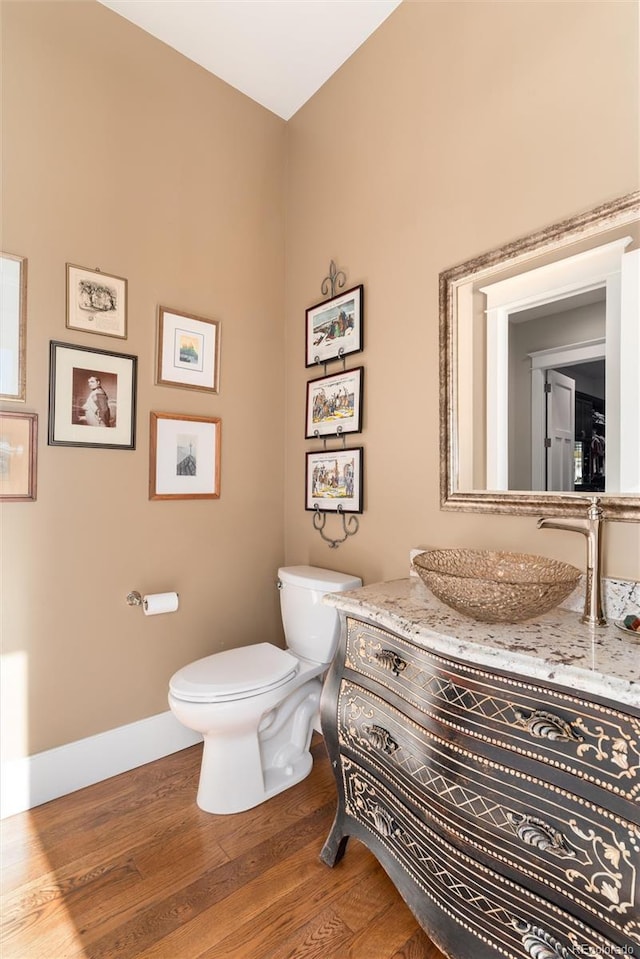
x: 390, y: 660
x: 536, y: 832
x: 547, y: 726
x: 383, y: 821
x: 540, y: 944
x: 382, y: 739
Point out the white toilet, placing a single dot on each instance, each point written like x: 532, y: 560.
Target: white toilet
x: 257, y: 706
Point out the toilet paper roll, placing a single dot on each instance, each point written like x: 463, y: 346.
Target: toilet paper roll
x: 160, y: 603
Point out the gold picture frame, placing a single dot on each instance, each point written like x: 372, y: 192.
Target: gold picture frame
x: 18, y: 456
x: 188, y: 351
x: 96, y: 302
x: 184, y: 456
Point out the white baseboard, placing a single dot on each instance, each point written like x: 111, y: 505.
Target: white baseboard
x: 33, y: 780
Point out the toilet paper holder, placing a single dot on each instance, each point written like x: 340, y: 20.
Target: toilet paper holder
x: 154, y: 603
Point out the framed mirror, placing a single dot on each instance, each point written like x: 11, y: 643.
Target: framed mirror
x: 13, y: 325
x: 539, y: 361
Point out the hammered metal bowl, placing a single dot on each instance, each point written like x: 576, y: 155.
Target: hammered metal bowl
x: 496, y: 587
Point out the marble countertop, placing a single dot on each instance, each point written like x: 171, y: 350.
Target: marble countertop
x: 556, y: 647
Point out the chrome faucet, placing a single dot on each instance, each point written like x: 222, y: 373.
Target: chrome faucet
x: 590, y: 527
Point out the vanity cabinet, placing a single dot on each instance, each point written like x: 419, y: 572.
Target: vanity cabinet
x: 504, y: 809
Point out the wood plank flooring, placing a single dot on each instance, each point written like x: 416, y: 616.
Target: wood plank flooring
x: 131, y: 869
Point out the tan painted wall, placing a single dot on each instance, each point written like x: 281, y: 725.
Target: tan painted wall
x: 457, y: 127
x: 120, y: 153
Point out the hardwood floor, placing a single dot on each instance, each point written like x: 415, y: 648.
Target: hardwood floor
x: 131, y: 869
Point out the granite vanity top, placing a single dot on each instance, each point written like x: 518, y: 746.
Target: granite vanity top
x: 556, y: 647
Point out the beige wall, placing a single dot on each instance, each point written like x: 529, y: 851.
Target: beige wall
x: 456, y: 127
x: 120, y: 153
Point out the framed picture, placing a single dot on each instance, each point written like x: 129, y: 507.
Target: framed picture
x: 92, y: 397
x: 96, y: 302
x: 18, y: 454
x: 188, y: 351
x: 334, y: 479
x: 334, y: 404
x: 184, y: 456
x: 13, y: 326
x: 334, y: 328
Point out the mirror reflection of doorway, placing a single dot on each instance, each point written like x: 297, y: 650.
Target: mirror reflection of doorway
x: 575, y: 435
x: 560, y: 417
x: 589, y: 431
x: 571, y: 311
x: 556, y: 351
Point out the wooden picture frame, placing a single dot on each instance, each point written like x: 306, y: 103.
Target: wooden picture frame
x: 334, y: 404
x: 13, y: 327
x: 188, y: 351
x: 184, y: 458
x: 92, y: 397
x: 334, y: 328
x: 334, y: 480
x: 18, y: 456
x: 96, y: 302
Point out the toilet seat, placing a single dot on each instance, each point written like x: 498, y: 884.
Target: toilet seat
x: 234, y: 674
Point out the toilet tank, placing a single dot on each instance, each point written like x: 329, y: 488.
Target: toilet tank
x: 311, y: 629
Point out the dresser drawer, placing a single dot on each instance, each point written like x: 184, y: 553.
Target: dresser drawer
x: 533, y: 827
x: 500, y: 916
x: 594, y: 742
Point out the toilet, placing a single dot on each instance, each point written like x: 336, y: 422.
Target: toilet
x: 257, y: 706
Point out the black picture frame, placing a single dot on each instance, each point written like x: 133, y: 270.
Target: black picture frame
x: 92, y: 397
x: 334, y: 480
x: 334, y: 404
x: 334, y: 328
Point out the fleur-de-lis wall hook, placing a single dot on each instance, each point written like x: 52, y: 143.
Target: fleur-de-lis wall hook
x: 335, y: 280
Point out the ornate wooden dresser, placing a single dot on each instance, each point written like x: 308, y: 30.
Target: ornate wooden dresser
x: 494, y: 771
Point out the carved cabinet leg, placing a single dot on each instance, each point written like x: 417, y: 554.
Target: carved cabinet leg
x: 336, y: 844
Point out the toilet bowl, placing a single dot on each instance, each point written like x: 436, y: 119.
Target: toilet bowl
x: 257, y: 706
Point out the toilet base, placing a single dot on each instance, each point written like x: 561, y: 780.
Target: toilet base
x: 241, y: 771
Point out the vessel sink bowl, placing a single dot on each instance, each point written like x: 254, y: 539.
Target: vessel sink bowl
x: 496, y: 587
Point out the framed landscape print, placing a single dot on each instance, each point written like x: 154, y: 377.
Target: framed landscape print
x: 92, y: 397
x: 18, y: 455
x: 96, y: 302
x: 184, y: 460
x: 334, y: 404
x: 13, y: 326
x: 334, y: 480
x: 188, y: 351
x: 334, y: 328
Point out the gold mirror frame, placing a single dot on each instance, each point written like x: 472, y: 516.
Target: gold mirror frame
x: 13, y: 325
x: 606, y: 217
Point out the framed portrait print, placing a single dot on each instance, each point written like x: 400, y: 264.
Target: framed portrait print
x: 92, y: 397
x: 18, y: 455
x: 184, y: 460
x: 96, y: 302
x: 334, y: 404
x: 334, y: 328
x: 13, y: 326
x: 188, y: 351
x: 334, y: 480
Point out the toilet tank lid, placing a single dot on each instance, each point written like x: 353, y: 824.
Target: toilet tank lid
x: 313, y: 577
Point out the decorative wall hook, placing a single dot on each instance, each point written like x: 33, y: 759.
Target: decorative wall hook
x: 335, y: 279
x: 350, y: 526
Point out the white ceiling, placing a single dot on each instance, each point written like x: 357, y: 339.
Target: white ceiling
x: 278, y: 52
